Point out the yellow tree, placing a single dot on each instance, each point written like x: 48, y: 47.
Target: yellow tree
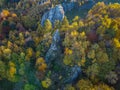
x: 47, y: 26
x: 65, y: 24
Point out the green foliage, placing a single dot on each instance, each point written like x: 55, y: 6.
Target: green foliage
x: 28, y: 22
x: 29, y: 87
x: 112, y: 77
x: 40, y: 29
x: 93, y: 71
x: 105, y: 69
x: 2, y: 69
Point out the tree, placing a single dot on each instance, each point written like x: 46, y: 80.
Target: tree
x: 105, y: 69
x: 28, y: 22
x: 84, y: 84
x: 65, y: 24
x: 40, y: 30
x: 102, y: 86
x: 76, y: 19
x: 29, y: 87
x: 47, y: 26
x: 93, y: 71
x: 65, y: 21
x: 2, y: 69
x: 112, y: 77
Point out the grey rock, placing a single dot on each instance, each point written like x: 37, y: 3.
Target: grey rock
x: 56, y: 13
x: 73, y: 74
x: 56, y: 37
x: 54, y: 50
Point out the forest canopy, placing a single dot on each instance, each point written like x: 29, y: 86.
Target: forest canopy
x: 83, y: 54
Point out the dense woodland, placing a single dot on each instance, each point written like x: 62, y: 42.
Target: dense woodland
x: 91, y: 43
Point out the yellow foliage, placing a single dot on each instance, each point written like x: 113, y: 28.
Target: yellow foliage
x: 46, y: 83
x: 47, y: 25
x: 7, y: 51
x: 82, y: 34
x: 41, y: 65
x: 75, y: 24
x: 12, y: 71
x: 81, y: 24
x: 116, y: 42
x: 102, y: 87
x: 9, y: 44
x: 2, y: 48
x: 106, y: 22
x: 21, y: 36
x: 74, y: 33
x: 68, y: 51
x: 29, y: 52
x: 37, y: 54
x: 14, y: 15
x: 76, y: 18
x: 16, y: 48
x: 5, y: 13
x: 37, y: 40
x: 40, y: 60
x: 83, y: 62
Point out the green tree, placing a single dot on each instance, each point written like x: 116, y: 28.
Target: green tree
x: 112, y: 77
x: 105, y: 69
x: 29, y: 87
x: 28, y: 22
x: 93, y: 71
x: 40, y: 30
x: 2, y: 69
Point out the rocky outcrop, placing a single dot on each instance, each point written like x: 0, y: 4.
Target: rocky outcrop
x: 56, y: 13
x: 54, y: 50
x: 73, y: 74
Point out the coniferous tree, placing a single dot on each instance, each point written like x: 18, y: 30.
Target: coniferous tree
x: 47, y: 25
